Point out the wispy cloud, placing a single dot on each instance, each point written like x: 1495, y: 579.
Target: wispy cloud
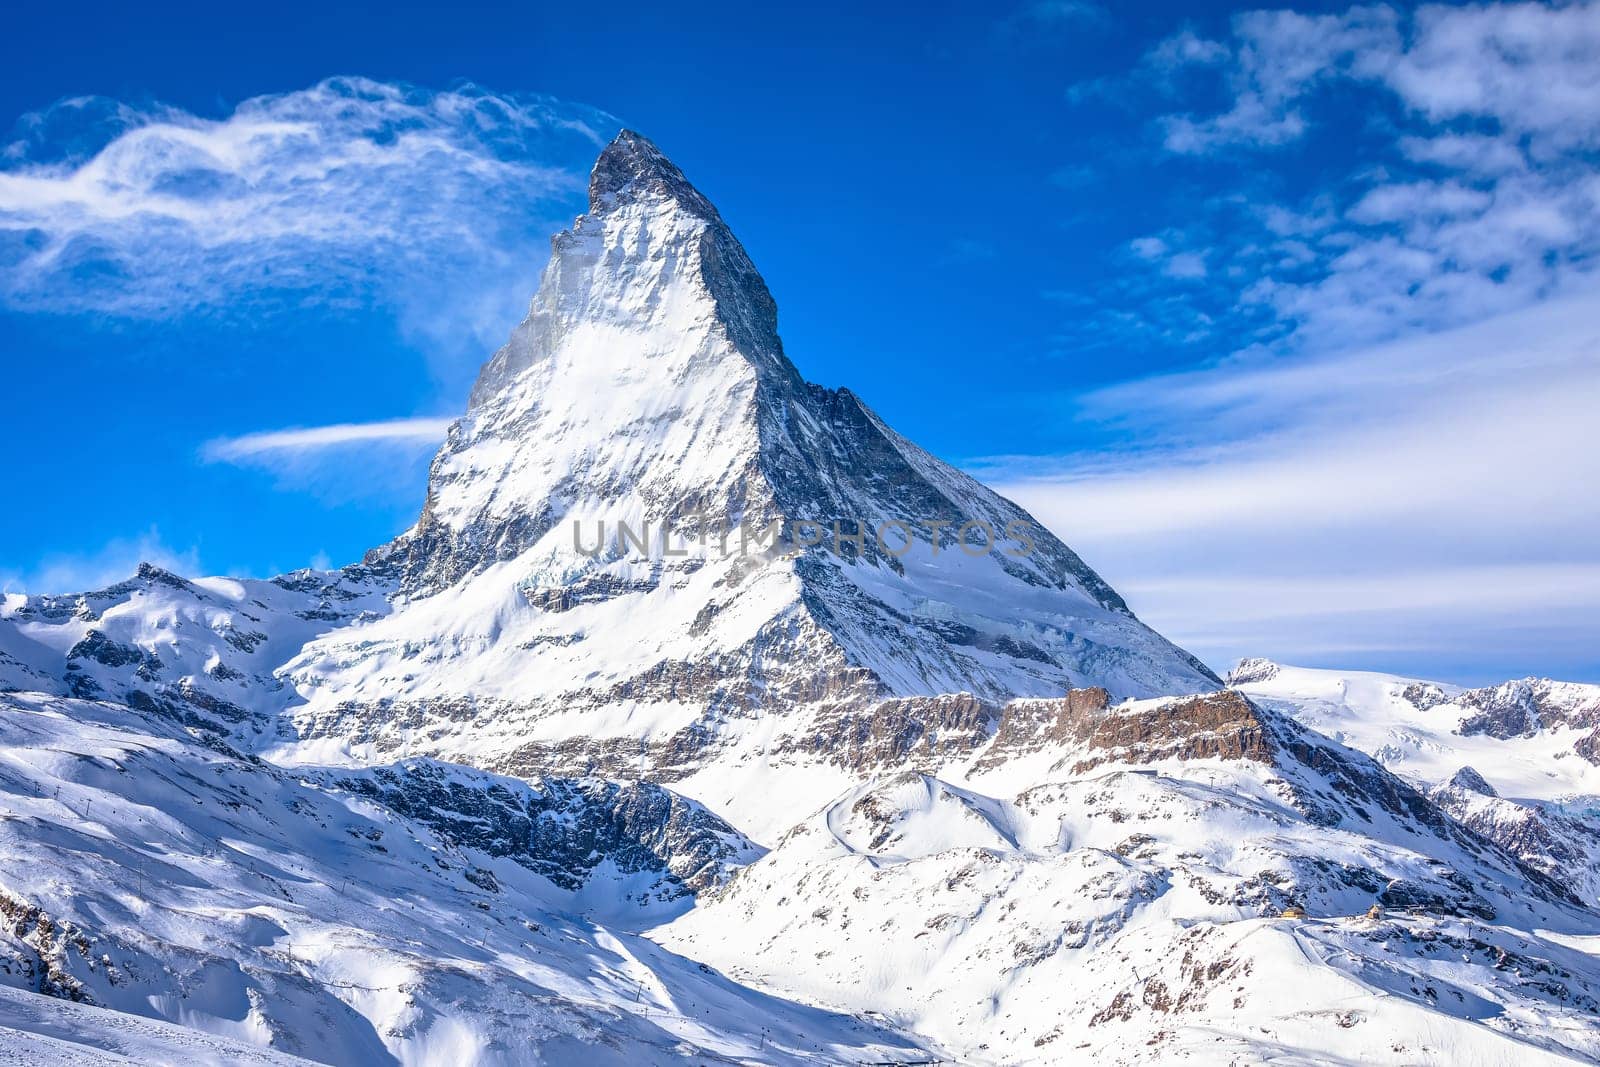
x: 352, y: 192
x: 1273, y: 61
x: 340, y: 464
x: 1434, y: 488
x: 419, y: 432
x: 1464, y: 182
x: 116, y: 560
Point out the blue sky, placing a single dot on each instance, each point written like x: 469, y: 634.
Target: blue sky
x: 1285, y: 318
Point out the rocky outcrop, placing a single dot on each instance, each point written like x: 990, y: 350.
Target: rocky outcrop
x: 1424, y: 696
x: 41, y: 961
x: 1522, y: 708
x: 1467, y: 780
x: 565, y: 829
x: 1247, y: 671
x: 907, y: 731
x: 1028, y: 726
x: 1215, y: 726
x: 1564, y: 846
x: 1222, y: 725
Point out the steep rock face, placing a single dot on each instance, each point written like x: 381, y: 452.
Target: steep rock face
x: 1527, y: 706
x: 1563, y: 846
x: 565, y: 829
x: 648, y: 389
x: 904, y: 731
x: 1222, y: 725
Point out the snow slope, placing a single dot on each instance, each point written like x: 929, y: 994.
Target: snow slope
x: 1517, y: 762
x: 143, y: 872
x: 36, y: 1029
x: 1093, y: 897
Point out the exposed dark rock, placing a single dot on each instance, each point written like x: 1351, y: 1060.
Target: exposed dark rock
x: 1221, y: 725
x: 564, y: 829
x: 1247, y: 671
x: 96, y: 646
x: 1424, y: 696
x: 1473, y: 782
x: 903, y: 731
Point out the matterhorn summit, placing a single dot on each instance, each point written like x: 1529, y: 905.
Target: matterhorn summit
x: 596, y: 557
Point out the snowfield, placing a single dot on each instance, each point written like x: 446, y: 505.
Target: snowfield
x: 488, y: 798
x: 145, y: 873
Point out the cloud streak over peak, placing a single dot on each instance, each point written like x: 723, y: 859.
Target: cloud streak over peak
x: 353, y: 191
x: 412, y: 432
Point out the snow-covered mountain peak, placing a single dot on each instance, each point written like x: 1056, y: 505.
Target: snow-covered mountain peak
x: 1252, y: 669
x: 647, y: 393
x: 1470, y: 780
x: 652, y: 257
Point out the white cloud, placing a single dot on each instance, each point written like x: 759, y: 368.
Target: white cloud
x: 1185, y: 265
x: 1186, y: 49
x: 419, y: 432
x: 1151, y: 248
x: 1174, y: 264
x: 1277, y: 57
x: 1472, y: 191
x: 1530, y: 67
x: 343, y: 463
x: 1432, y: 492
x: 1488, y: 155
x: 353, y: 191
x: 1251, y: 121
x: 1423, y: 200
x: 113, y: 562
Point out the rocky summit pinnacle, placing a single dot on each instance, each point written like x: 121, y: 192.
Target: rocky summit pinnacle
x: 632, y: 167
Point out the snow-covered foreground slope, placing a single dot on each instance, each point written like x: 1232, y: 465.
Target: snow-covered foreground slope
x: 307, y: 913
x: 36, y: 1029
x: 1077, y: 877
x: 1116, y: 893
